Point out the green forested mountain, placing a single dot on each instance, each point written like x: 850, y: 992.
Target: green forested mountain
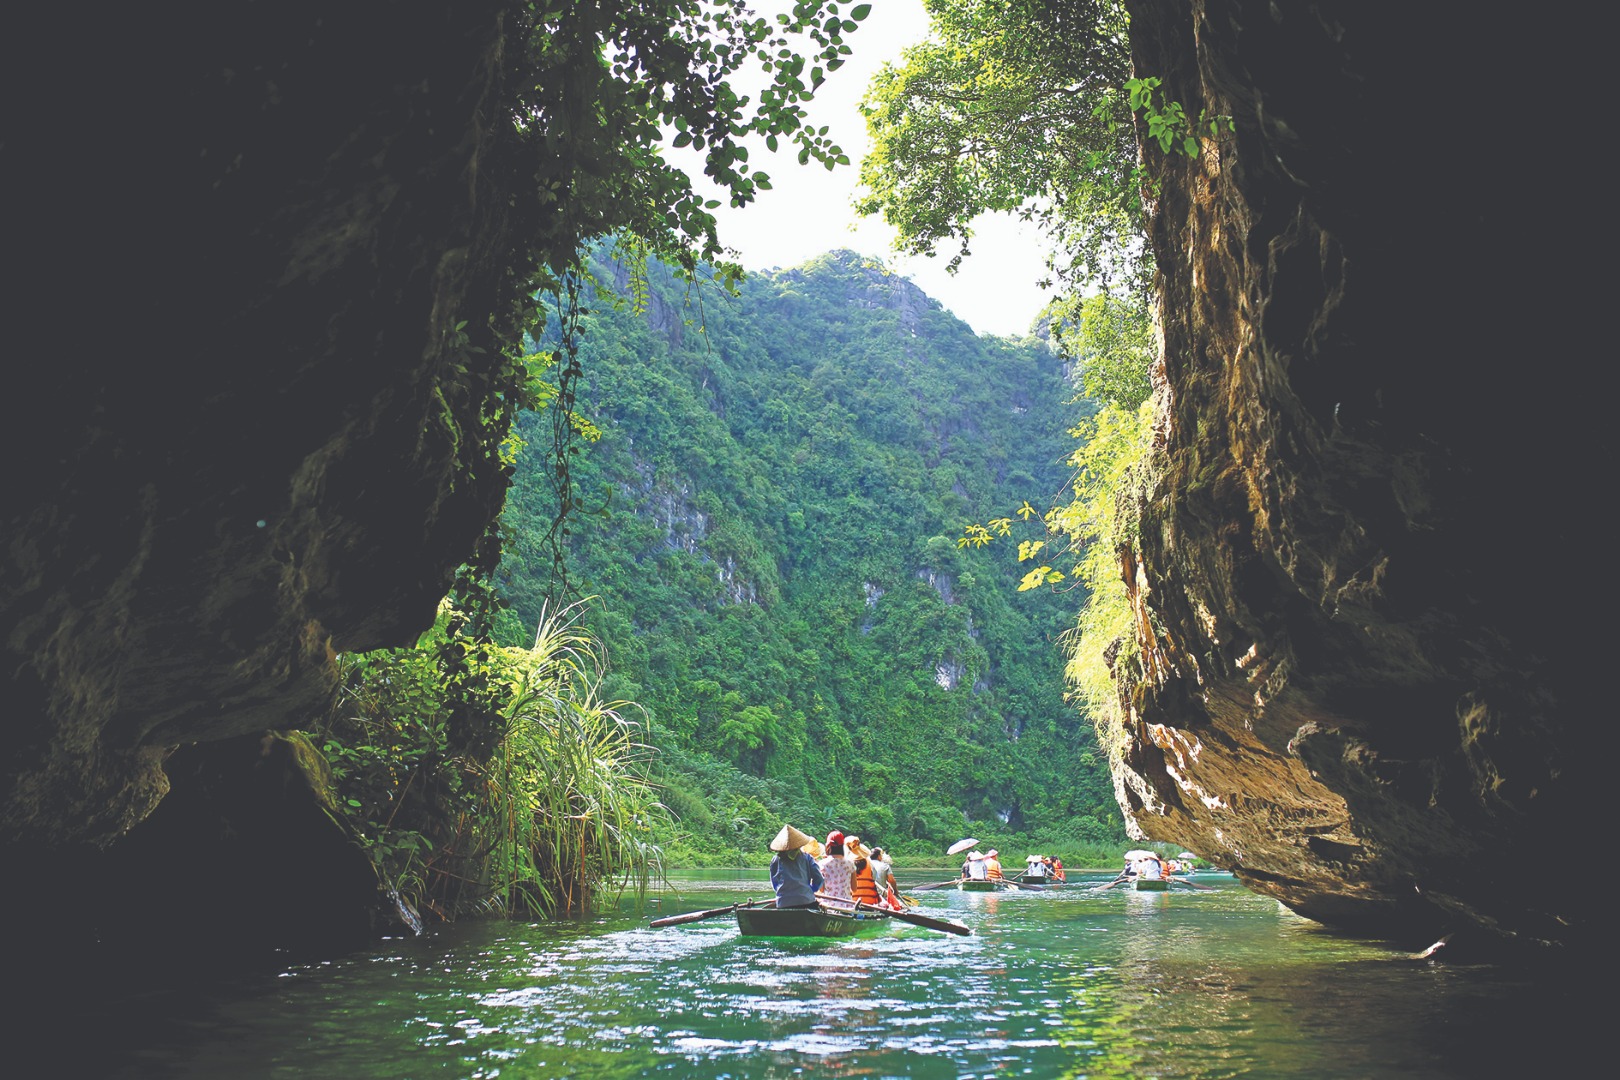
x: 769, y: 535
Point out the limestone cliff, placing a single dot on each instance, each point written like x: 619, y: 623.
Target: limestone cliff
x: 1364, y: 574
x: 241, y: 428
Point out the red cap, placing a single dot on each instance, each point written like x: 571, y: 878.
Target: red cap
x: 835, y: 837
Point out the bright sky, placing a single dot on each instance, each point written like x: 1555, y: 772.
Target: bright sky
x: 808, y: 209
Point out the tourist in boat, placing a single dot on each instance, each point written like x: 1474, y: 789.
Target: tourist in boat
x: 992, y: 865
x: 1151, y: 867
x: 1057, y: 869
x: 837, y: 872
x: 794, y: 874
x: 974, y: 869
x: 863, y: 882
x: 883, y: 876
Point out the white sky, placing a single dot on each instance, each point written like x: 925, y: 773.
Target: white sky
x: 808, y: 209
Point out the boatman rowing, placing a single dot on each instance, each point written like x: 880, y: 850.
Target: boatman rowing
x: 794, y: 874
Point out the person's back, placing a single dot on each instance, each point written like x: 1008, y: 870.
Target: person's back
x: 796, y: 879
x: 794, y: 874
x: 992, y: 866
x: 836, y: 871
x: 883, y: 877
x: 1152, y: 869
x: 976, y: 869
x: 863, y: 883
x: 882, y: 871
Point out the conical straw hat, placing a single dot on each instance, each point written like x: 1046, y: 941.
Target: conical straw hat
x: 789, y: 839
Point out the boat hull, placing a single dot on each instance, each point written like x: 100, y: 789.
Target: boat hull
x: 805, y: 922
x: 981, y: 886
x: 1151, y: 885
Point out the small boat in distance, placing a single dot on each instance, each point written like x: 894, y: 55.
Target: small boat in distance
x: 982, y: 885
x: 1038, y: 871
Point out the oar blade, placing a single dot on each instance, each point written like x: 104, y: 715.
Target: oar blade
x: 931, y: 923
x: 692, y: 916
x: 696, y: 916
x: 944, y: 925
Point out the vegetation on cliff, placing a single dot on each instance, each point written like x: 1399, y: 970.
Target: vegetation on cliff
x: 770, y: 545
x: 1028, y: 107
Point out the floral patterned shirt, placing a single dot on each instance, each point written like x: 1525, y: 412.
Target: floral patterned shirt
x: 838, y: 874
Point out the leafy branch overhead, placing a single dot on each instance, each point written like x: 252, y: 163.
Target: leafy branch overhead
x: 1014, y: 107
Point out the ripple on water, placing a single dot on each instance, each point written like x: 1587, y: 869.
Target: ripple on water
x: 1107, y: 985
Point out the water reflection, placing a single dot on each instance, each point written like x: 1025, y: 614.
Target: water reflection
x: 1063, y: 983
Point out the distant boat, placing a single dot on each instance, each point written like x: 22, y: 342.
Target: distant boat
x: 982, y: 885
x: 1036, y: 872
x: 1144, y: 885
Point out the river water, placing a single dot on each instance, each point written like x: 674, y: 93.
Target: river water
x: 1077, y: 982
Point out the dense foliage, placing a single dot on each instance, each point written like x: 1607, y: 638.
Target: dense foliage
x: 769, y: 536
x: 1028, y: 106
x: 1013, y: 105
x: 556, y: 809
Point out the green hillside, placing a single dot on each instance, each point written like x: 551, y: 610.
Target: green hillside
x: 769, y: 536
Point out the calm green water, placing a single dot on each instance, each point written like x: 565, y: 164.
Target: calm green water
x: 1072, y: 983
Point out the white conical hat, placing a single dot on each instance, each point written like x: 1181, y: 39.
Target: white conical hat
x: 789, y: 839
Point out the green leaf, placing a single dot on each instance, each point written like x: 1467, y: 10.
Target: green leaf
x: 860, y: 11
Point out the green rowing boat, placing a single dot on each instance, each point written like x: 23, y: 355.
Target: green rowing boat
x: 805, y: 922
x: 982, y: 885
x: 1151, y: 884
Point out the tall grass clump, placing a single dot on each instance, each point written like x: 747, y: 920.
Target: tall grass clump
x: 488, y: 779
x: 573, y: 809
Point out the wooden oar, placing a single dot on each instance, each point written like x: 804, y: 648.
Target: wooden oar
x: 694, y: 916
x: 1023, y: 884
x: 904, y: 916
x: 1194, y: 884
x: 1108, y: 885
x: 951, y: 884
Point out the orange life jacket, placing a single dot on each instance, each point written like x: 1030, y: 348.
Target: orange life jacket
x: 865, y: 886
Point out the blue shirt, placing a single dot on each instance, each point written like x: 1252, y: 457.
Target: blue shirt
x: 796, y: 879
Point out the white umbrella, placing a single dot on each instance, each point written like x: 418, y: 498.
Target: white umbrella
x: 1186, y: 855
x: 1140, y: 854
x: 960, y: 846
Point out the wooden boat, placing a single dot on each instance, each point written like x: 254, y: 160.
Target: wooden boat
x: 982, y: 885
x: 1151, y: 884
x: 805, y: 922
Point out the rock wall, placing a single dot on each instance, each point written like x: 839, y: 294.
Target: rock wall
x: 1363, y: 570
x: 241, y: 430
